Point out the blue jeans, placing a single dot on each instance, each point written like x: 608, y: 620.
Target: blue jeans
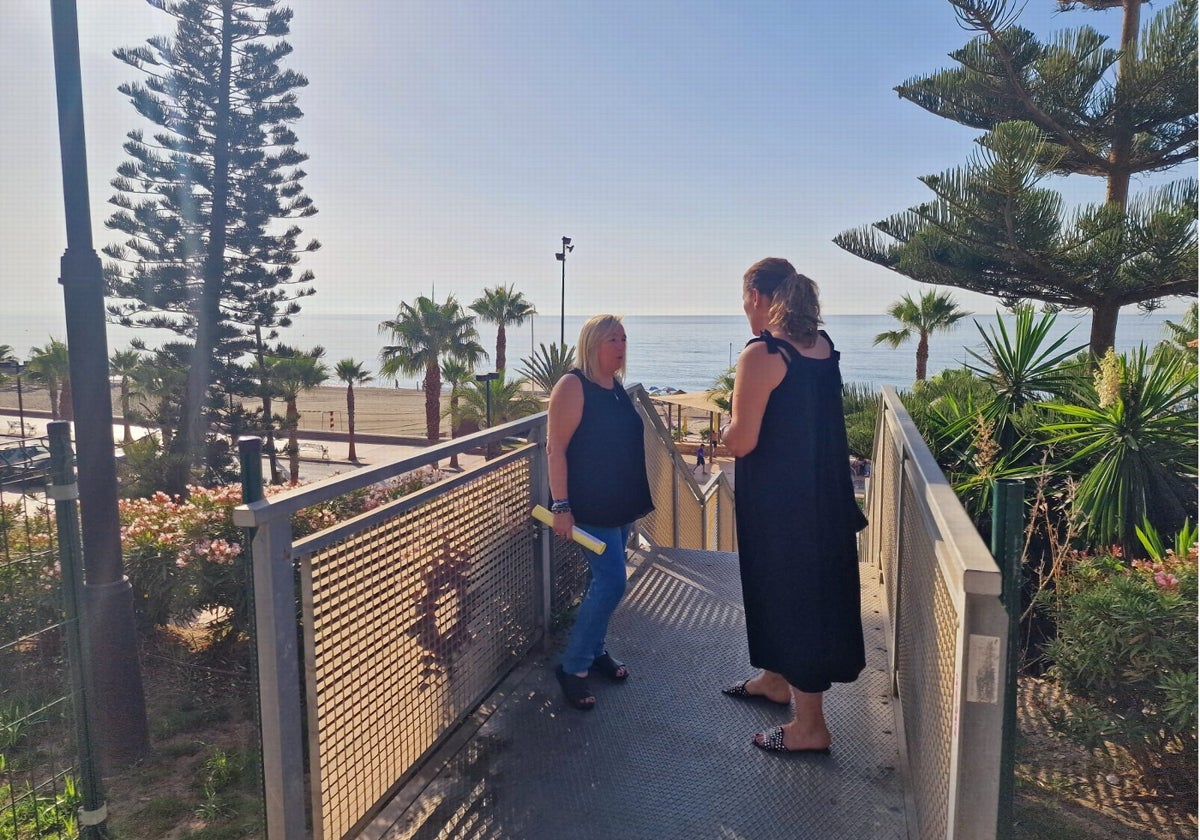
x: 605, y: 589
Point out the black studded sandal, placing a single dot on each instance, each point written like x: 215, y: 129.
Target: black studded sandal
x: 611, y: 668
x: 575, y: 690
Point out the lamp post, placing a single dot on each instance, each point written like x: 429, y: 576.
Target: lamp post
x: 561, y: 256
x: 20, y: 399
x: 486, y: 379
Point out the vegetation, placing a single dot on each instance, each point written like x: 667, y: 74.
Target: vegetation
x: 352, y: 373
x: 1071, y: 105
x: 50, y: 367
x: 548, y: 365
x: 291, y: 375
x: 934, y: 312
x: 199, y: 201
x: 424, y: 333
x: 502, y: 306
x: 1110, y: 461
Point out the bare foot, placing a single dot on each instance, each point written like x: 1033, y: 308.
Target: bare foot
x: 801, y: 737
x: 776, y: 689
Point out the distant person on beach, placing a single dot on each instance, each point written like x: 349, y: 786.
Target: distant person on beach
x: 597, y: 464
x: 796, y: 514
x: 699, y: 460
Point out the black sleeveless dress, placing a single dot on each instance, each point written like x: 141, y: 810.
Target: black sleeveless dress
x: 796, y: 525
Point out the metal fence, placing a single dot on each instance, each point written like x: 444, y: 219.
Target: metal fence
x: 947, y: 631
x: 411, y: 613
x: 38, y: 752
x: 686, y: 515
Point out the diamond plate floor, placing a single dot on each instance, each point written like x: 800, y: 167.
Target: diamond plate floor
x: 664, y: 756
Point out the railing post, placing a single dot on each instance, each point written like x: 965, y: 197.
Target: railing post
x: 277, y: 644
x: 543, y: 567
x: 1008, y: 531
x: 93, y: 812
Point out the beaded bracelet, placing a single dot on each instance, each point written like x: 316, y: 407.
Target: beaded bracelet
x: 560, y: 506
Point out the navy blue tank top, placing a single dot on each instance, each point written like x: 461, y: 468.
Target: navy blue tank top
x: 606, y: 459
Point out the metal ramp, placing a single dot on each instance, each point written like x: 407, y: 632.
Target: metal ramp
x: 664, y: 756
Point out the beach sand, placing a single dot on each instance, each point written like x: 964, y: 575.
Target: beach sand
x: 381, y: 411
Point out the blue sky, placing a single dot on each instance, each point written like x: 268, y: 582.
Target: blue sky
x: 452, y: 144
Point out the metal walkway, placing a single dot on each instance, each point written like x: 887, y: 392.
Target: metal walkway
x: 664, y: 756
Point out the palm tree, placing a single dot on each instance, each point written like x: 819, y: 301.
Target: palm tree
x: 122, y: 364
x: 1180, y: 340
x: 351, y: 372
x: 508, y: 402
x: 7, y: 357
x: 425, y: 332
x: 456, y: 374
x: 935, y: 311
x: 502, y: 306
x: 291, y: 376
x: 550, y: 364
x: 51, y: 366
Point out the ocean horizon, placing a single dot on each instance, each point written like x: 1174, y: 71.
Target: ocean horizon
x: 685, y: 352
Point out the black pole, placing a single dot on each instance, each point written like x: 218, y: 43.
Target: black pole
x: 1008, y: 531
x: 92, y: 812
x: 108, y: 597
x: 20, y: 400
x: 562, y: 301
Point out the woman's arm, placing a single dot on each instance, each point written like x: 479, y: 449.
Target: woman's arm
x: 566, y: 410
x: 758, y: 373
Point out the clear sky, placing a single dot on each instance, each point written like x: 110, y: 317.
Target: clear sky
x: 452, y: 144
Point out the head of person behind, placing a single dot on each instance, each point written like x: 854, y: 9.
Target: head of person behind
x: 776, y: 297
x: 601, y: 350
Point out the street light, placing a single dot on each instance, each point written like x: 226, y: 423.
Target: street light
x: 20, y: 399
x: 486, y: 379
x: 561, y: 256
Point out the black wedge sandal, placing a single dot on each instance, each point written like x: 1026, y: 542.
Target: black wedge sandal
x: 575, y: 690
x: 611, y: 668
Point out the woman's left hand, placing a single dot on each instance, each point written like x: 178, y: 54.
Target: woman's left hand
x: 563, y: 524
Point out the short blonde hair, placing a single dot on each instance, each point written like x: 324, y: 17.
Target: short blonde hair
x: 593, y: 333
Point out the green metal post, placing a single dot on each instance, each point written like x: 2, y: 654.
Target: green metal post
x: 1008, y: 535
x: 250, y: 461
x: 93, y: 812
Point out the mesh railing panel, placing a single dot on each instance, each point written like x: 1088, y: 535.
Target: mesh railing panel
x: 926, y: 638
x: 727, y: 528
x: 412, y: 622
x: 569, y: 577
x: 691, y: 524
x: 660, y: 469
x: 38, y: 749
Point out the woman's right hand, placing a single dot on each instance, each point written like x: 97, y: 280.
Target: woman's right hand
x: 563, y: 524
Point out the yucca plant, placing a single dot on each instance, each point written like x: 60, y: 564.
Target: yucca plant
x: 1021, y: 371
x: 1136, y: 445
x: 548, y: 365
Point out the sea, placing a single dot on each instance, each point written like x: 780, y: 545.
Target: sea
x: 681, y: 352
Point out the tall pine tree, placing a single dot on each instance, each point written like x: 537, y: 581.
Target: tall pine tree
x: 206, y: 202
x: 1071, y: 105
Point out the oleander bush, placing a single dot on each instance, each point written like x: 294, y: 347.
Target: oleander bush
x: 1125, y: 650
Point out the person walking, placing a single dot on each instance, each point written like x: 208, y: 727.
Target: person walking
x: 796, y: 514
x: 597, y: 469
x: 699, y: 460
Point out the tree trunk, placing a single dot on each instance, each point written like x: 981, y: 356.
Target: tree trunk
x: 352, y: 455
x: 128, y: 435
x: 53, y: 388
x: 1122, y: 136
x: 501, y: 347
x: 293, y: 424
x: 190, y: 443
x: 433, y: 402
x: 922, y: 356
x: 1104, y: 329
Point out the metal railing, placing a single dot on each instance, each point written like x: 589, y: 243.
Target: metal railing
x: 411, y: 613
x: 947, y: 631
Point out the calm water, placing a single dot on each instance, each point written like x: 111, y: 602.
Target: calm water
x: 682, y: 352
x: 688, y: 352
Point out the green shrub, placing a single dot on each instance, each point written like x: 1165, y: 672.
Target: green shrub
x: 1126, y: 651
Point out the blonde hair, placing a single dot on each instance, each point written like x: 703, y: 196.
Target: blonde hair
x: 794, y: 302
x: 591, y: 336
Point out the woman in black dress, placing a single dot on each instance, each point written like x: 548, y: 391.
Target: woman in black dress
x: 796, y: 514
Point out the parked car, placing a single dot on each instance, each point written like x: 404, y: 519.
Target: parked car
x: 23, y: 461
